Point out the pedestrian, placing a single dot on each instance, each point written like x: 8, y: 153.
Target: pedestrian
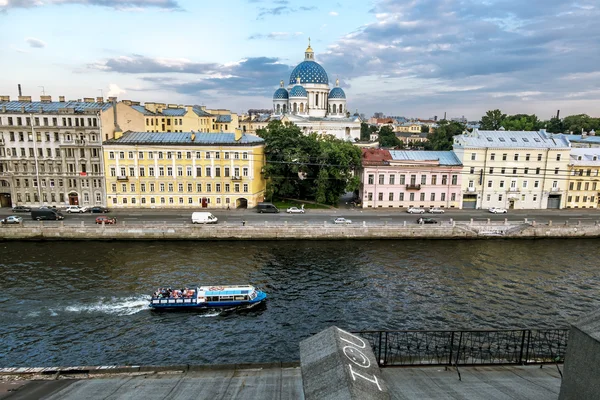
x: 228, y: 208
x: 243, y: 223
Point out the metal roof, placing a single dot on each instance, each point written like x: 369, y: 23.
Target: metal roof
x: 201, y: 113
x: 223, y: 118
x: 585, y: 156
x: 444, y: 157
x: 507, y: 139
x: 174, y: 112
x: 53, y: 107
x: 143, y: 110
x: 580, y: 138
x: 183, y: 138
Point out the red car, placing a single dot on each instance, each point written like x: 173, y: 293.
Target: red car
x: 106, y: 220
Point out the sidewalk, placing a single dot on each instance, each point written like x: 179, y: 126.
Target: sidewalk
x: 283, y: 383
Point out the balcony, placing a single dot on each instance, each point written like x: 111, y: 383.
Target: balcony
x: 236, y: 178
x: 555, y: 190
x: 471, y: 189
x: 122, y: 178
x: 513, y: 190
x: 413, y: 186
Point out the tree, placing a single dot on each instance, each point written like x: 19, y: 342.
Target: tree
x: 388, y: 138
x: 579, y: 123
x: 522, y: 122
x: 365, y: 132
x: 555, y: 125
x: 492, y: 120
x: 424, y: 128
x: 443, y: 137
x: 313, y: 167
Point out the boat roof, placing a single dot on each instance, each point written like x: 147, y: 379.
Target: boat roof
x: 226, y: 290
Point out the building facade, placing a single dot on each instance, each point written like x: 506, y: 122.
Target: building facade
x: 391, y: 178
x: 583, y: 190
x: 520, y: 170
x: 51, y: 152
x: 199, y: 170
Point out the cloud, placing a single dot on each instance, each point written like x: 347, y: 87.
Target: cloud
x: 247, y: 77
x: 276, y: 35
x: 124, y: 5
x: 114, y: 90
x: 281, y: 7
x: 333, y: 13
x: 36, y: 43
x: 497, y: 46
x: 18, y: 50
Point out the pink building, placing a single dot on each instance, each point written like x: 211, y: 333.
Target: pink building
x: 394, y: 178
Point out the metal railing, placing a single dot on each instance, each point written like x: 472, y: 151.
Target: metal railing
x: 484, y: 347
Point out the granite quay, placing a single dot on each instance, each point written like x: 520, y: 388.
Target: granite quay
x: 291, y: 231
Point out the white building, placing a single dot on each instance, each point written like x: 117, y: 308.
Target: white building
x: 520, y: 170
x: 311, y: 104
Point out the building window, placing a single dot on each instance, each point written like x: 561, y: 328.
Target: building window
x: 381, y: 179
x: 555, y: 171
x: 527, y: 157
x: 391, y: 197
x: 423, y: 179
x: 492, y: 156
x: 371, y: 179
x: 516, y: 157
x: 472, y: 170
x: 504, y: 157
x: 558, y: 157
x: 473, y: 156
x: 539, y: 157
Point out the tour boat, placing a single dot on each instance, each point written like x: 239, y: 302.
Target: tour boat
x: 207, y: 297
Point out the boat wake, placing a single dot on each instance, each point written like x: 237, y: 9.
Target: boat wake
x: 114, y: 306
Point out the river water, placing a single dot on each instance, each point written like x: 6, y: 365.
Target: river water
x: 69, y: 303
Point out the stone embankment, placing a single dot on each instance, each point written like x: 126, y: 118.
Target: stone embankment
x: 452, y: 230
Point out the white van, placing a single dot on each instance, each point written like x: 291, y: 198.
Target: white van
x: 203, y: 218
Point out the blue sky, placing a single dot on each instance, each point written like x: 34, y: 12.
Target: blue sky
x: 413, y: 58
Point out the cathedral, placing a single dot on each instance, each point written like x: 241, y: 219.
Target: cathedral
x: 310, y: 103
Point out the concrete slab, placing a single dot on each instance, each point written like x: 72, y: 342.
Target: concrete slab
x: 489, y: 383
x: 414, y: 383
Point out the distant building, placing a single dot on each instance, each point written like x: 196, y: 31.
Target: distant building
x: 51, y: 151
x: 584, y: 141
x: 391, y: 178
x: 521, y: 169
x: 584, y: 178
x: 184, y: 170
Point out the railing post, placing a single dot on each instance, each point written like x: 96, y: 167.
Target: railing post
x: 385, y: 360
x: 451, y: 348
x: 527, y: 349
x: 379, y: 355
x: 458, y: 348
x: 522, y: 344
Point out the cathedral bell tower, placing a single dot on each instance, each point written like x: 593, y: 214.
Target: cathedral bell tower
x: 309, y: 54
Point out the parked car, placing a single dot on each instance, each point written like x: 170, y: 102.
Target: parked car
x: 13, y: 219
x: 21, y: 209
x: 342, y: 221
x: 415, y: 210
x: 202, y: 217
x: 99, y: 210
x: 106, y: 220
x: 76, y: 209
x: 266, y: 208
x: 295, y: 210
x: 422, y: 221
x: 436, y: 210
x: 46, y: 214
x: 498, y: 210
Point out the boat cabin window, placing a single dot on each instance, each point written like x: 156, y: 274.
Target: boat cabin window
x: 226, y: 298
x: 240, y: 298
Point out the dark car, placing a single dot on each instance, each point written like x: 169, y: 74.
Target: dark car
x: 422, y: 221
x: 99, y: 210
x: 106, y: 220
x: 21, y: 209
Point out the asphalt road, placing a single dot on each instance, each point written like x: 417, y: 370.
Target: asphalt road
x: 357, y: 215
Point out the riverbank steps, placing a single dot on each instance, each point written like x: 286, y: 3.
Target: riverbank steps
x: 326, y: 231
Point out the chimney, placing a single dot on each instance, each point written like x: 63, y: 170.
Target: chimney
x: 61, y: 99
x: 117, y: 128
x: 25, y: 99
x: 126, y: 102
x: 4, y: 98
x: 112, y: 99
x: 88, y: 99
x: 100, y: 100
x: 20, y: 94
x: 46, y: 99
x: 238, y: 134
x: 558, y: 114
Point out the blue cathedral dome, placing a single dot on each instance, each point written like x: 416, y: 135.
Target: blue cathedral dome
x: 337, y: 93
x: 309, y: 72
x: 298, y: 91
x: 280, y: 93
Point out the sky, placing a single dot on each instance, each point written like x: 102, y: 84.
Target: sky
x: 413, y: 58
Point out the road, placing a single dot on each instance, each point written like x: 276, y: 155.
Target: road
x: 357, y: 215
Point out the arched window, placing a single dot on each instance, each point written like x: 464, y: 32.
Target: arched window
x: 284, y: 108
x: 340, y: 108
x: 295, y: 108
x: 317, y: 99
x: 301, y: 107
x: 278, y: 108
x: 329, y: 108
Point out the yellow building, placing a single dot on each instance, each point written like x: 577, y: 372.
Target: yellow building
x: 408, y: 127
x: 184, y: 170
x: 584, y: 180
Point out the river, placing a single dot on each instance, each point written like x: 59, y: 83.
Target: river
x: 85, y: 303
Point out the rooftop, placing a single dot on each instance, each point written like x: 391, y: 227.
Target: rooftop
x: 514, y: 139
x: 585, y: 156
x: 444, y: 157
x: 183, y: 138
x: 35, y: 107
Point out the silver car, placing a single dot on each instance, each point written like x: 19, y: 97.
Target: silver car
x: 436, y: 210
x: 13, y: 219
x: 341, y: 220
